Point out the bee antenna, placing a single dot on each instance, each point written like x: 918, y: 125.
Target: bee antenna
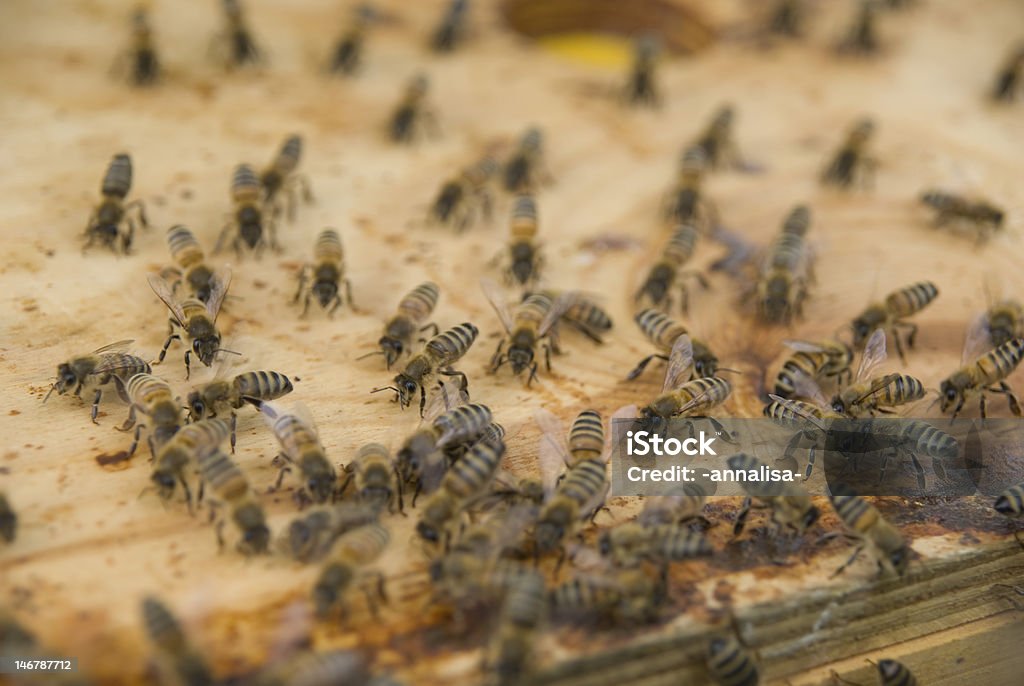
x: 726, y: 369
x: 225, y: 350
x: 385, y: 388
x: 53, y: 387
x: 375, y: 352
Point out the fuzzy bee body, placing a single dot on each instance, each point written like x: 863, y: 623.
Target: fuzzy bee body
x: 641, y: 88
x: 468, y: 478
x: 987, y: 373
x: 730, y: 664
x: 152, y: 397
x: 452, y: 27
x: 786, y: 272
x: 99, y: 368
x: 414, y: 311
x: 981, y: 216
x: 253, y: 229
x: 374, y: 473
x: 686, y: 203
x: 692, y: 399
x: 791, y: 505
x: 664, y: 274
x: 663, y: 332
x: 511, y: 647
x: 1011, y: 501
x: 717, y: 140
x: 877, y: 394
x: 890, y: 314
x: 1007, y: 86
x: 413, y: 114
x: 231, y: 489
x: 525, y: 260
x: 8, y: 519
x: 167, y: 636
x: 325, y: 275
x: 196, y: 319
x: 181, y: 451
x: 437, y: 357
x: 816, y: 361
x: 466, y: 196
x: 863, y: 520
x: 851, y: 163
x: 524, y: 171
x: 235, y: 46
x: 300, y: 446
x: 348, y: 555
x: 105, y: 223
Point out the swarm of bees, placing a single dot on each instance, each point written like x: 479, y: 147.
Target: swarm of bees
x: 530, y: 550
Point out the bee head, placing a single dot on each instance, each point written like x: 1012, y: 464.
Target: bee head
x: 407, y: 388
x: 392, y: 348
x: 196, y: 406
x: 705, y: 365
x: 520, y: 357
x: 1004, y: 505
x: 428, y: 532
x: 300, y: 535
x: 949, y: 392
x: 325, y: 592
x: 164, y: 482
x: 548, y: 535
x: 325, y: 292
x: 206, y: 348
x: 66, y: 378
x: 255, y: 534
x: 320, y: 486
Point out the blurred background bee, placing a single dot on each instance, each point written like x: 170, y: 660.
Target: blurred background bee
x: 718, y: 140
x: 525, y: 171
x: 190, y: 264
x: 667, y: 272
x: 301, y: 447
x: 787, y: 271
x: 451, y: 30
x: 584, y: 313
x: 374, y: 476
x: 176, y: 658
x: 1003, y: 318
x: 196, y: 319
x: 787, y: 18
x: 181, y: 452
x: 729, y: 663
x: 463, y: 483
x: 414, y: 309
x: 413, y: 115
x: 224, y: 394
x: 234, y: 46
x: 524, y: 257
x: 864, y: 522
x: 463, y: 198
x: 281, y: 183
x: 790, y: 504
x: 663, y: 332
x: 8, y: 519
x: 640, y: 88
x: 105, y: 222
x: 973, y: 216
x: 325, y: 275
x: 862, y: 36
x: 1007, y: 86
x: 851, y: 163
x: 890, y: 314
x: 100, y: 367
x: 348, y: 51
x: 253, y: 229
x: 227, y: 487
x: 346, y: 561
x: 685, y: 202
x: 139, y: 64
x: 311, y: 535
x: 510, y: 651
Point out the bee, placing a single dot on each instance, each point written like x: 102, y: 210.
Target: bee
x: 8, y: 519
x: 464, y: 481
x: 865, y: 522
x: 666, y: 270
x: 311, y: 535
x: 235, y: 46
x: 100, y: 367
x: 437, y: 357
x: 348, y: 555
x: 152, y: 397
x: 510, y: 654
x: 254, y: 388
x: 374, y: 473
x: 231, y: 489
x: 717, y: 141
x: 983, y: 217
x: 681, y: 397
x: 685, y: 202
x: 628, y: 543
x: 583, y: 314
x: 196, y: 319
x: 640, y: 88
x: 525, y: 259
x: 1010, y: 503
x: 189, y: 263
x: 893, y: 673
x: 680, y: 504
x: 253, y: 229
x: 869, y: 395
x: 413, y: 114
x: 616, y: 596
x: 328, y: 273
x: 982, y: 375
x: 279, y: 177
x: 1007, y: 86
x: 791, y: 505
x: 525, y: 170
x: 889, y: 315
x: 787, y: 18
x: 811, y: 360
x: 420, y: 456
x: 319, y: 668
x: 414, y: 310
x: 730, y: 664
x: 300, y: 446
x: 851, y: 162
x: 452, y: 28
x: 140, y: 62
x: 663, y: 332
x: 1004, y: 320
x: 462, y: 198
x: 179, y: 657
x: 105, y: 222
x: 862, y: 36
x: 808, y: 420
x: 348, y: 53
x: 532, y: 324
x: 787, y: 270
x: 183, y: 449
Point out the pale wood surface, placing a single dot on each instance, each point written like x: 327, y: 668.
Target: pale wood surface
x: 88, y: 547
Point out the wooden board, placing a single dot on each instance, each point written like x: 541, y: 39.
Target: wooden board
x: 89, y: 546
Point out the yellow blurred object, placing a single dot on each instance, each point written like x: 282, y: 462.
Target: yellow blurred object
x: 595, y: 49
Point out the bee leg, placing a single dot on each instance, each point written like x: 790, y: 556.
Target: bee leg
x: 305, y: 304
x: 642, y: 365
x: 1011, y: 397
x: 280, y: 477
x: 188, y: 494
x: 218, y: 529
x: 188, y: 364
x: 96, y: 404
x: 497, y: 359
x: 899, y: 345
x: 302, y: 283
x: 130, y: 421
x: 234, y: 424
x: 135, y: 440
x: 919, y: 470
x: 223, y: 235
x: 741, y: 517
x: 842, y: 567
x: 348, y: 293
x: 533, y: 373
x: 167, y: 344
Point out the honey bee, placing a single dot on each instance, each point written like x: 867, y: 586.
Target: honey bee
x: 178, y: 657
x: 811, y: 360
x: 808, y: 420
x: 183, y: 449
x: 253, y: 229
x: 328, y: 273
x: 152, y: 397
x: 464, y: 481
x: 196, y: 319
x: 8, y: 519
x: 862, y: 36
x: 718, y: 141
x: 525, y: 170
x: 665, y: 272
x: 437, y: 357
x: 851, y: 162
x: 867, y: 395
x: 1004, y: 320
x: 231, y: 489
x: 235, y: 46
x: 189, y: 263
x: 374, y: 473
x: 348, y: 53
x: 615, y: 597
x: 663, y: 332
x: 681, y: 397
x: 452, y: 28
x: 791, y: 505
x: 787, y: 18
x: 532, y: 324
x: 349, y: 554
x: 1010, y: 502
x: 463, y: 198
x: 300, y: 446
x: 787, y: 270
x: 1007, y: 86
x: 730, y: 664
x: 100, y: 367
x: 414, y: 310
x: 413, y: 114
x: 583, y: 314
x: 631, y: 542
x: 279, y: 177
x: 986, y: 373
x: 140, y: 62
x: 525, y: 259
x: 889, y: 315
x: 510, y: 652
x: 105, y: 222
x: 980, y: 216
x: 254, y: 388
x: 320, y: 668
x: 311, y: 535
x: 884, y: 541
x: 893, y: 673
x: 685, y: 202
x: 640, y: 88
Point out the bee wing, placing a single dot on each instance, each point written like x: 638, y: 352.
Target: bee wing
x: 696, y: 401
x: 303, y: 414
x: 798, y: 409
x: 559, y: 306
x: 449, y: 397
x: 977, y: 339
x: 874, y: 355
x: 496, y: 298
x: 119, y: 346
x: 112, y: 364
x: 219, y: 290
x: 804, y: 346
x: 626, y: 412
x: 876, y: 385
x: 552, y: 452
x: 680, y: 364
x: 163, y: 291
x: 432, y: 471
x: 806, y: 387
